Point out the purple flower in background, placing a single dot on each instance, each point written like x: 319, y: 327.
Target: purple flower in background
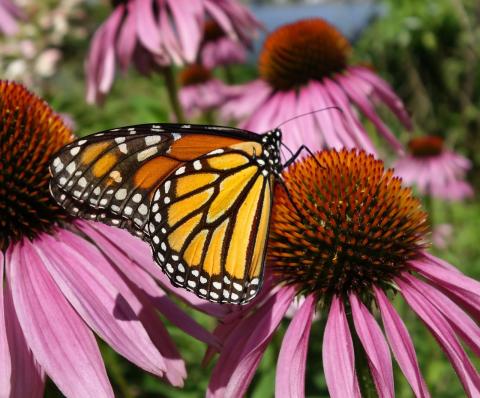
x: 9, y: 15
x: 153, y: 34
x: 303, y: 68
x: 201, y: 92
x: 348, y: 238
x: 435, y: 170
x: 64, y: 280
x: 219, y: 49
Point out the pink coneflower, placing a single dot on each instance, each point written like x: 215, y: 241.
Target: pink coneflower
x: 156, y: 34
x: 64, y: 280
x: 435, y: 170
x: 9, y: 15
x: 219, y: 49
x: 201, y: 92
x: 352, y: 239
x: 304, y: 67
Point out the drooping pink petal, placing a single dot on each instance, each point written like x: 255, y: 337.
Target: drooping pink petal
x: 360, y: 98
x: 340, y: 99
x: 5, y: 358
x: 292, y: 360
x: 141, y: 284
x: 443, y: 333
x: 221, y: 18
x: 57, y: 336
x: 338, y: 354
x: 385, y: 93
x: 127, y: 39
x: 463, y: 325
x: 146, y: 25
x: 242, y: 352
x: 461, y: 288
x: 401, y: 344
x: 26, y: 377
x: 100, y: 296
x: 107, y: 75
x: 188, y: 17
x: 375, y: 346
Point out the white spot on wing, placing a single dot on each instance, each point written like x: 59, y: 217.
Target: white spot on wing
x: 121, y: 194
x: 146, y: 153
x: 143, y: 210
x: 152, y: 139
x: 137, y: 198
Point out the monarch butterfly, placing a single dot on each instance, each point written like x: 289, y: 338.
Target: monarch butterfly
x: 200, y: 195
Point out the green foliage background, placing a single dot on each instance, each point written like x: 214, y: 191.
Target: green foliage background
x: 429, y: 51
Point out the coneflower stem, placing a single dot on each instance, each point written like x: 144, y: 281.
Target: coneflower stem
x: 172, y: 91
x: 429, y: 208
x: 228, y: 74
x: 367, y: 387
x: 208, y: 116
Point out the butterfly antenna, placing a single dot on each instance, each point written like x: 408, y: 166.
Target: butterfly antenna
x: 310, y: 113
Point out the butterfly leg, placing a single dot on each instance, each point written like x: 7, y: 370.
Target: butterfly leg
x: 297, y: 154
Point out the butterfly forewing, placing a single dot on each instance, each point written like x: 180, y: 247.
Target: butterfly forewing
x: 209, y: 223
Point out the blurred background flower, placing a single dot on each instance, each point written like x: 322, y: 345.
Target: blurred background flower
x: 202, y: 92
x: 219, y: 49
x: 156, y: 35
x: 33, y: 54
x: 62, y: 279
x: 9, y: 14
x: 435, y: 170
x: 304, y: 67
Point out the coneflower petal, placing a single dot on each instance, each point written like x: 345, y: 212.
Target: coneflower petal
x: 292, y: 360
x: 461, y: 288
x: 188, y: 16
x: 401, y: 344
x: 463, y: 325
x: 444, y: 334
x: 360, y: 98
x: 21, y: 375
x: 338, y: 354
x: 125, y: 45
x: 141, y: 256
x: 146, y: 26
x: 383, y: 90
x: 234, y: 371
x: 100, y: 296
x: 375, y: 346
x: 340, y: 99
x: 48, y: 320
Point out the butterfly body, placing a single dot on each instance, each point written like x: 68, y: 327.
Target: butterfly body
x: 200, y: 195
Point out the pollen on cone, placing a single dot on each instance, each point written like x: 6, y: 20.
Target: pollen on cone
x: 352, y: 225
x: 306, y: 50
x: 30, y: 133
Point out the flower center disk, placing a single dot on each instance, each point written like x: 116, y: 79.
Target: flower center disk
x: 194, y: 74
x: 306, y: 50
x: 30, y: 133
x: 212, y: 32
x: 357, y: 225
x: 427, y: 146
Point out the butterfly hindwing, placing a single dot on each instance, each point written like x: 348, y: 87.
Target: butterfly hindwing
x: 209, y: 223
